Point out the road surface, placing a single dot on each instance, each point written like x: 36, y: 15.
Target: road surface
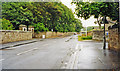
x: 59, y: 53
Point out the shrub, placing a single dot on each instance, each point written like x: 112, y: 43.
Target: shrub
x: 86, y: 37
x: 80, y: 38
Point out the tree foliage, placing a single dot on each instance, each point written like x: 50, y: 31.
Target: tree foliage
x: 50, y: 15
x: 6, y: 25
x: 98, y: 10
x: 40, y: 27
x: 78, y: 25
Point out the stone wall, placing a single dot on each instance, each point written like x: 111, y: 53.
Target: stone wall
x: 97, y: 35
x: 89, y: 33
x: 13, y: 35
x: 114, y: 38
x: 52, y: 34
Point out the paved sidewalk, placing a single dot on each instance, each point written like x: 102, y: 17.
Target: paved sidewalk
x: 18, y: 43
x: 13, y: 44
x: 92, y: 56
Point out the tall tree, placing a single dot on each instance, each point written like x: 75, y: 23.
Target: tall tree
x: 98, y: 10
x: 48, y: 15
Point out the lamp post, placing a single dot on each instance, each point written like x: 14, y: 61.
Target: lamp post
x: 104, y: 38
x: 86, y: 31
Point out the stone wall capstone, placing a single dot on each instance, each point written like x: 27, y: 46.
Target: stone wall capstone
x: 14, y: 35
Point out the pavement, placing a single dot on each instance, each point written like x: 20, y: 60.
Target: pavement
x: 59, y: 53
x: 18, y: 43
x: 92, y: 56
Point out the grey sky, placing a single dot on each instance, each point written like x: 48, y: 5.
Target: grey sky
x: 89, y: 22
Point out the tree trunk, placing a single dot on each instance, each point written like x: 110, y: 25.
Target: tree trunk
x: 99, y: 24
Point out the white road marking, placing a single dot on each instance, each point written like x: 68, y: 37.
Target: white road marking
x: 76, y: 47
x: 27, y: 51
x: 73, y: 59
x: 101, y: 60
x: 1, y: 60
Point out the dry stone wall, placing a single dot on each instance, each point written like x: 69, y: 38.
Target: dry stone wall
x: 97, y: 35
x: 114, y: 38
x: 13, y: 35
x: 52, y: 34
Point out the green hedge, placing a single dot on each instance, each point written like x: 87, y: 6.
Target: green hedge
x: 80, y: 38
x: 86, y: 37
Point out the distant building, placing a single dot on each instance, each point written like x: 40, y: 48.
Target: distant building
x: 24, y: 28
x: 83, y: 32
x: 95, y: 27
x: 31, y: 28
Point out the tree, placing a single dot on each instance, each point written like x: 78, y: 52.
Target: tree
x: 78, y: 26
x: 17, y: 13
x: 98, y: 10
x: 40, y: 27
x: 6, y: 25
x: 51, y: 15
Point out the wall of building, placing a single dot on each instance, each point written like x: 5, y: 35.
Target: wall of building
x: 114, y: 38
x: 13, y: 35
x: 52, y: 34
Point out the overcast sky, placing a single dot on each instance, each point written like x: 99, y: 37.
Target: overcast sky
x: 89, y: 22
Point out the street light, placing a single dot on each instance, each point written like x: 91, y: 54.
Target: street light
x: 104, y: 21
x: 86, y: 31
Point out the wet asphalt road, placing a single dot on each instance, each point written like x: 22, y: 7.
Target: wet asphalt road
x: 59, y: 53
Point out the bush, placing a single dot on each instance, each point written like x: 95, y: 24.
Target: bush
x: 80, y: 38
x: 6, y: 25
x: 86, y: 37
